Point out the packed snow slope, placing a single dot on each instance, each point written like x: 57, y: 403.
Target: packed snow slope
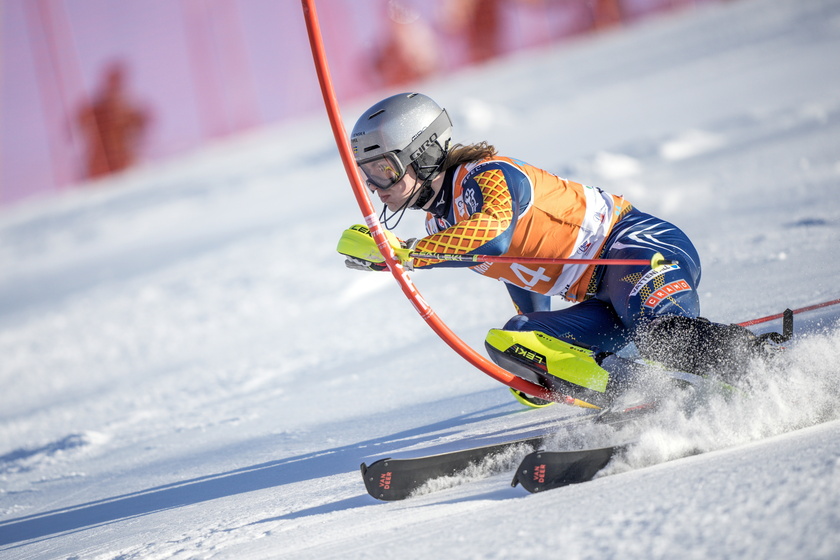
x: 189, y: 371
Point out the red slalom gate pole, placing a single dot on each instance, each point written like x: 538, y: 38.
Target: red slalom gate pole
x: 427, y: 313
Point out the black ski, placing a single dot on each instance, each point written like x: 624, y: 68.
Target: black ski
x: 544, y: 470
x: 396, y: 479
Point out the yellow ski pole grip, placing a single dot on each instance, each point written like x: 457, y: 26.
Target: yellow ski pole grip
x: 659, y: 260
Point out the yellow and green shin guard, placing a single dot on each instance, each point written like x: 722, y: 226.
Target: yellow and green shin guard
x: 552, y: 363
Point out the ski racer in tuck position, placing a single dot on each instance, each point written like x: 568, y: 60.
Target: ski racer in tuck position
x: 481, y: 203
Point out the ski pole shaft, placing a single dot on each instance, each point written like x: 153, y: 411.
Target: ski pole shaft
x: 795, y: 312
x: 657, y: 260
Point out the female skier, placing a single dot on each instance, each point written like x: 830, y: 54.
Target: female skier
x: 481, y: 203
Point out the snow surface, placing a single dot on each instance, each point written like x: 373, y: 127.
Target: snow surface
x: 189, y: 371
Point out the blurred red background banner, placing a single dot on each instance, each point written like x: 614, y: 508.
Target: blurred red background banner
x: 93, y: 87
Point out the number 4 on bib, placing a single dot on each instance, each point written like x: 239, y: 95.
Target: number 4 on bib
x: 527, y: 276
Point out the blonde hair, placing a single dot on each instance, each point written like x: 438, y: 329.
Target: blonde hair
x: 459, y: 154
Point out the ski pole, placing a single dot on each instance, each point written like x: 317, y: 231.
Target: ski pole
x: 795, y: 312
x: 657, y: 260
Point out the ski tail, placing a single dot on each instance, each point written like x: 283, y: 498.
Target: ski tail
x: 544, y: 470
x: 397, y: 479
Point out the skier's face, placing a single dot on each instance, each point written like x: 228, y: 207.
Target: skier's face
x: 395, y: 196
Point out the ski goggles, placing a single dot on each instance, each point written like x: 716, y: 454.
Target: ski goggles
x: 383, y: 171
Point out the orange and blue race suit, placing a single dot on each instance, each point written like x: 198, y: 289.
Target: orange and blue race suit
x: 503, y: 206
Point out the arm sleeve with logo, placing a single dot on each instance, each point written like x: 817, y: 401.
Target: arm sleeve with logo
x: 486, y: 232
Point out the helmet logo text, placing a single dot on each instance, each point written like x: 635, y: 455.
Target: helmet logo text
x: 424, y: 146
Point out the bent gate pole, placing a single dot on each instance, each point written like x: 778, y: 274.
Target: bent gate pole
x: 372, y: 222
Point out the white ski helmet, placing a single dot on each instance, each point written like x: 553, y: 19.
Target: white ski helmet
x: 402, y: 130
